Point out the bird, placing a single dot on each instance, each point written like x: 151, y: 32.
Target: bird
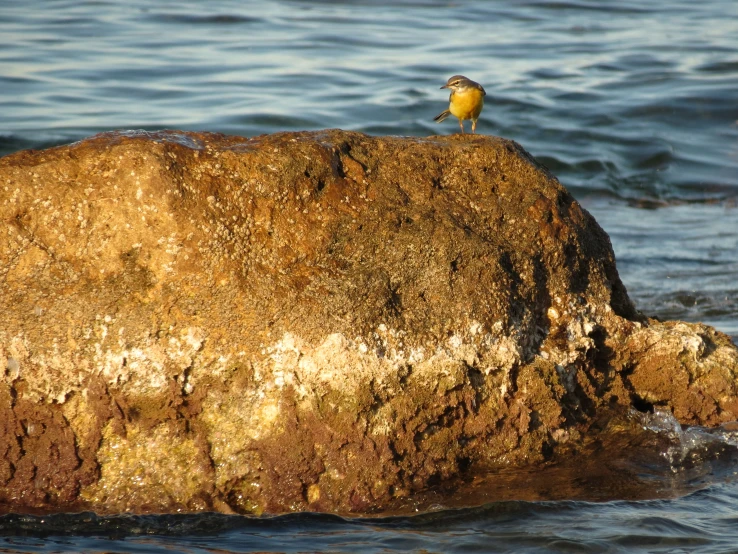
x: 466, y: 101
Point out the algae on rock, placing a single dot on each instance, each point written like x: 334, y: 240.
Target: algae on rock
x: 310, y: 321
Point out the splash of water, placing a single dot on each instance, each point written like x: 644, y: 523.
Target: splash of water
x: 688, y: 445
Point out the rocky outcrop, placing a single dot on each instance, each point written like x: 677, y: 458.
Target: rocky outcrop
x: 310, y: 321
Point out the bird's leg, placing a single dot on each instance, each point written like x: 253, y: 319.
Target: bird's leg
x: 474, y: 126
x: 461, y: 124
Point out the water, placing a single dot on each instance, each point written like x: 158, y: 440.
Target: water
x: 634, y: 105
x: 647, y: 526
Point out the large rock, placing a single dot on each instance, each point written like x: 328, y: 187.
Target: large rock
x: 310, y: 321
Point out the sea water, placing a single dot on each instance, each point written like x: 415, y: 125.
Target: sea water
x: 633, y: 105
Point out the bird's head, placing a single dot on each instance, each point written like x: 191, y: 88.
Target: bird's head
x: 459, y: 83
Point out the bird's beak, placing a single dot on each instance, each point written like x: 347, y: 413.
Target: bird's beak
x: 445, y: 86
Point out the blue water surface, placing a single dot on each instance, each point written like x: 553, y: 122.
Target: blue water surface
x: 633, y: 105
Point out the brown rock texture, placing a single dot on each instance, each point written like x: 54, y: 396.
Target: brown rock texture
x: 310, y: 321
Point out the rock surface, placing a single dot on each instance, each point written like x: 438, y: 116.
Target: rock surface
x: 310, y: 321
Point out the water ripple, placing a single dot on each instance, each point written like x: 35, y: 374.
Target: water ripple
x: 631, y: 104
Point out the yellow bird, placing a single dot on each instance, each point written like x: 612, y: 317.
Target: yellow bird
x: 466, y: 101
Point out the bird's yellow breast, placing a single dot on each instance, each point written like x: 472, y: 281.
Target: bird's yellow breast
x: 467, y: 104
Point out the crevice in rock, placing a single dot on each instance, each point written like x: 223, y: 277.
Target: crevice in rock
x: 641, y: 404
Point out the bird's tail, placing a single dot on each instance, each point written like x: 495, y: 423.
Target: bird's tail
x: 441, y: 116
